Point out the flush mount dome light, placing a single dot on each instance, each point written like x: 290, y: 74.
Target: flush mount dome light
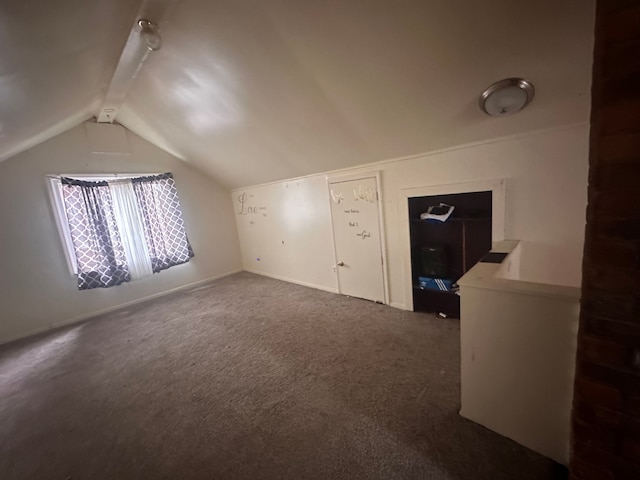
x: 506, y: 97
x: 149, y: 32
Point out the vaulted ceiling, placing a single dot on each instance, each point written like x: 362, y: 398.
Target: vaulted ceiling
x: 250, y: 91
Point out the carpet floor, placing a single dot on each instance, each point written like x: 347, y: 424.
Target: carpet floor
x: 247, y: 378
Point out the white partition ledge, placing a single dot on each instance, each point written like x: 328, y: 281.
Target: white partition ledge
x: 518, y: 344
x: 494, y: 276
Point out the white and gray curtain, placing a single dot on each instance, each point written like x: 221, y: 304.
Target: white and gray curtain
x: 163, y: 226
x: 124, y: 229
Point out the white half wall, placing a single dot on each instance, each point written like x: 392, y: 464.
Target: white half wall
x: 37, y: 292
x: 518, y: 349
x: 285, y: 228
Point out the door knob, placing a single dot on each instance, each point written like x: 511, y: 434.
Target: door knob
x: 341, y: 264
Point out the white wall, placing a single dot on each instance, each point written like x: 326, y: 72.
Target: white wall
x: 546, y: 188
x: 285, y: 231
x: 531, y: 262
x: 36, y: 289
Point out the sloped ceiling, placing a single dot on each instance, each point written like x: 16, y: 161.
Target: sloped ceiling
x: 56, y: 60
x: 251, y: 91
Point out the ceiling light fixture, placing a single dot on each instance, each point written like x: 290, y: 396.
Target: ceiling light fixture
x: 506, y: 97
x: 149, y: 32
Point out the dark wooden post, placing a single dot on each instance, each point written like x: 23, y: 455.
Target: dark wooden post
x: 606, y: 409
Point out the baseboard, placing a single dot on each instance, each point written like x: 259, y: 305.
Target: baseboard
x: 87, y: 316
x: 291, y: 280
x: 400, y: 306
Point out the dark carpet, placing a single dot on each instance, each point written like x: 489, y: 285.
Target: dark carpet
x: 247, y: 378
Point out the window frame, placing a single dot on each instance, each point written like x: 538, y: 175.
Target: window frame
x: 60, y: 213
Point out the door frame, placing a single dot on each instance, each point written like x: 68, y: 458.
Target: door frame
x: 497, y: 188
x: 383, y: 245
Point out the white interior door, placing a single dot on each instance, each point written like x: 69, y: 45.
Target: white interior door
x: 355, y: 213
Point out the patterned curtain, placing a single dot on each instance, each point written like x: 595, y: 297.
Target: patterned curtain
x: 96, y: 239
x: 163, y: 225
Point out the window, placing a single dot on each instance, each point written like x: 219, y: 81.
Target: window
x: 119, y: 228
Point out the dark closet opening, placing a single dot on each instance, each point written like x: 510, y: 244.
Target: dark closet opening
x: 445, y: 251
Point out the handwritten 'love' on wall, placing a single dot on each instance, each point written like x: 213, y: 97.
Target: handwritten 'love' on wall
x: 246, y: 207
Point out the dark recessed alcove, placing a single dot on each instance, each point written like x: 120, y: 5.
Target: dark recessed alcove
x: 448, y: 249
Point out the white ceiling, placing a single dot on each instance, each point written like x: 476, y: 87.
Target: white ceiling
x: 251, y: 91
x: 56, y: 60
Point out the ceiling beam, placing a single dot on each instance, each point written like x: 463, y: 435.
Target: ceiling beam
x: 135, y: 52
